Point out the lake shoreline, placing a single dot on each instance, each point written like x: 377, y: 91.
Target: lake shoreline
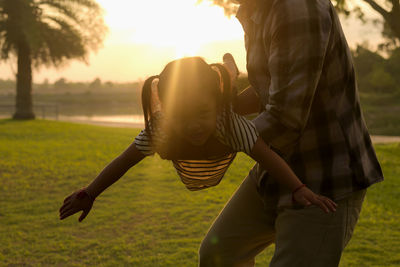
x: 134, y: 122
x: 376, y: 139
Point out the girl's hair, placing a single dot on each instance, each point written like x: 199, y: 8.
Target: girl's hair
x: 190, y: 73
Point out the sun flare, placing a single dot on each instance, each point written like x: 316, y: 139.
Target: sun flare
x: 182, y: 25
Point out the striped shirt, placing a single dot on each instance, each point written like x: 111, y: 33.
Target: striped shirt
x: 300, y: 65
x: 239, y: 136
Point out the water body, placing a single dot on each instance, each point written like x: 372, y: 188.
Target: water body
x: 134, y: 121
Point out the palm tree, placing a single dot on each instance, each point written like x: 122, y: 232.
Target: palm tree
x: 46, y: 32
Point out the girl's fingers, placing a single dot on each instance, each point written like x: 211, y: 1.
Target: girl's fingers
x: 67, y: 201
x: 306, y: 202
x: 67, y: 198
x: 68, y: 213
x: 331, y: 205
x: 65, y: 210
x: 83, y: 215
x: 321, y: 204
x: 65, y: 206
x: 307, y: 197
x: 328, y: 203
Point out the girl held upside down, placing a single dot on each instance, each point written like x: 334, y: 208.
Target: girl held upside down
x: 189, y: 119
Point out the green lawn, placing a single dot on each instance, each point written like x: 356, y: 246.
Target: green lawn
x: 148, y: 218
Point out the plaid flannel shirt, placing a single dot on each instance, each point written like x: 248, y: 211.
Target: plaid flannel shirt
x: 300, y: 65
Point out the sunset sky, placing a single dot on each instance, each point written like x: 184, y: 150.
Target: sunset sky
x: 145, y: 35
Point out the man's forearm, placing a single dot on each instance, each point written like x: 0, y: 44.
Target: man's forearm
x: 247, y: 102
x: 277, y: 133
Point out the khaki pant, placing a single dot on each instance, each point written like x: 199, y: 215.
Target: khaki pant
x: 303, y: 237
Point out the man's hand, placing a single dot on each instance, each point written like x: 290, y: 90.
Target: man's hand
x: 230, y: 65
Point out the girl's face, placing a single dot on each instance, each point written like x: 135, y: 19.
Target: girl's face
x: 195, y: 118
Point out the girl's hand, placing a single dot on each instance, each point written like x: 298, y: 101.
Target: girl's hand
x: 77, y: 201
x: 306, y: 197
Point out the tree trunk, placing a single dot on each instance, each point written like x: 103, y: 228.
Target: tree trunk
x: 392, y: 18
x: 24, y: 108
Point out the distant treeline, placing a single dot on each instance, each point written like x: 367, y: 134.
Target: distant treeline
x: 62, y: 85
x: 375, y: 74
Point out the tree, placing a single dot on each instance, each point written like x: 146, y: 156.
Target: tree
x: 46, y: 33
x: 61, y: 84
x: 381, y: 81
x: 366, y: 60
x: 375, y: 73
x: 389, y: 10
x: 95, y: 84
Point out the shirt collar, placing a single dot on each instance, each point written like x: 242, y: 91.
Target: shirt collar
x: 252, y: 11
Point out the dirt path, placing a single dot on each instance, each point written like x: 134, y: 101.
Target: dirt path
x: 381, y: 139
x: 376, y: 139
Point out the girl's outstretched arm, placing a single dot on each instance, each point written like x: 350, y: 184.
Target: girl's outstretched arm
x: 281, y: 171
x: 115, y: 170
x: 83, y: 199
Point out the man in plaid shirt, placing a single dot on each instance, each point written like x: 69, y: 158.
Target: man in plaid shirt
x: 302, y: 76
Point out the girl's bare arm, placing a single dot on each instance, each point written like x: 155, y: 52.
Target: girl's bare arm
x: 281, y: 171
x: 82, y: 200
x: 115, y: 170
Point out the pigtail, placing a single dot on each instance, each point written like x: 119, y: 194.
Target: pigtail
x: 228, y: 93
x: 227, y: 90
x: 146, y: 103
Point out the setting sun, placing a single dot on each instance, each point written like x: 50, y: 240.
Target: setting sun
x: 177, y: 24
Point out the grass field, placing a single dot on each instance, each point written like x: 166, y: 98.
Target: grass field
x: 147, y: 218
